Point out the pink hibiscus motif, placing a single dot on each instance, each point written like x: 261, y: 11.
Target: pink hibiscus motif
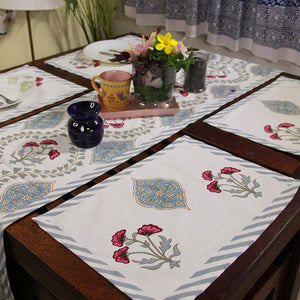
x: 275, y: 136
x: 268, y: 129
x: 48, y: 142
x: 229, y: 170
x: 53, y: 154
x: 34, y: 144
x: 121, y: 255
x: 207, y: 175
x: 285, y: 125
x: 149, y: 229
x: 118, y: 238
x: 213, y: 187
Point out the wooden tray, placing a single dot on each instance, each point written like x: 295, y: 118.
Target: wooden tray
x: 134, y: 111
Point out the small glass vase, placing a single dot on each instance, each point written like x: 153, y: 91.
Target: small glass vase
x: 85, y: 127
x: 153, y: 84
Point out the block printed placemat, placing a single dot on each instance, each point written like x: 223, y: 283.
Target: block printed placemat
x: 33, y: 88
x: 270, y: 116
x: 160, y: 229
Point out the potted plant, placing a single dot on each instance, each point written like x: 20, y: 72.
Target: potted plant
x: 94, y: 16
x: 155, y: 62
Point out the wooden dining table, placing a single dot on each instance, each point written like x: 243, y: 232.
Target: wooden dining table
x: 39, y: 267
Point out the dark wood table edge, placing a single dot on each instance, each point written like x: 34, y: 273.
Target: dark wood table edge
x: 226, y: 286
x: 271, y: 242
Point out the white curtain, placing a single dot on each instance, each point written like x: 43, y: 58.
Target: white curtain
x: 270, y: 29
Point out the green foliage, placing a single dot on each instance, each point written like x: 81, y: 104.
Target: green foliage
x: 94, y: 16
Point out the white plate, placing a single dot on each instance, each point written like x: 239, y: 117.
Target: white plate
x: 93, y: 50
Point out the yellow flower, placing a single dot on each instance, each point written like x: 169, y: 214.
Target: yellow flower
x: 166, y: 43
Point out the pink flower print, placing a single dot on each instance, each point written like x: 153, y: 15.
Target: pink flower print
x: 81, y: 67
x: 268, y: 129
x: 121, y: 255
x: 213, y: 187
x: 284, y: 131
x: 183, y: 93
x: 207, y: 175
x: 149, y: 229
x: 275, y: 136
x: 48, y: 142
x: 156, y: 250
x: 53, y: 154
x: 210, y: 76
x: 118, y: 238
x: 229, y: 170
x: 38, y: 81
x: 96, y: 63
x: 285, y: 125
x: 34, y: 144
x: 227, y: 180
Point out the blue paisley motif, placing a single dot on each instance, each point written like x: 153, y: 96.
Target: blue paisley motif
x: 20, y: 195
x: 283, y: 107
x: 223, y: 91
x: 177, y: 118
x: 261, y: 70
x: 159, y: 193
x: 106, y: 152
x: 47, y: 121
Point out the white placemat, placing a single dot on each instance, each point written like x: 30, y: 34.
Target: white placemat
x: 270, y: 116
x: 32, y: 88
x: 160, y: 229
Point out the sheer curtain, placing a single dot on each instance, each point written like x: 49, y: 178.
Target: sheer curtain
x: 270, y: 29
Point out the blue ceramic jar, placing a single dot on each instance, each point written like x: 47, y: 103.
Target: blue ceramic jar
x: 85, y: 127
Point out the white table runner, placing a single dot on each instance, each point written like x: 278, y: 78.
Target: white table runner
x: 270, y: 116
x: 168, y: 226
x: 33, y: 88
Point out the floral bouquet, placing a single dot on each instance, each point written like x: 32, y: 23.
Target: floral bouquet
x: 155, y: 63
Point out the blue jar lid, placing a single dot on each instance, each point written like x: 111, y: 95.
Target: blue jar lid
x: 84, y: 110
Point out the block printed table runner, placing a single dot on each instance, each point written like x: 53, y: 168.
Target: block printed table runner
x: 168, y: 226
x: 32, y: 88
x: 271, y: 116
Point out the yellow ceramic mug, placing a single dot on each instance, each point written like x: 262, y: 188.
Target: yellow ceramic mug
x: 115, y: 87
